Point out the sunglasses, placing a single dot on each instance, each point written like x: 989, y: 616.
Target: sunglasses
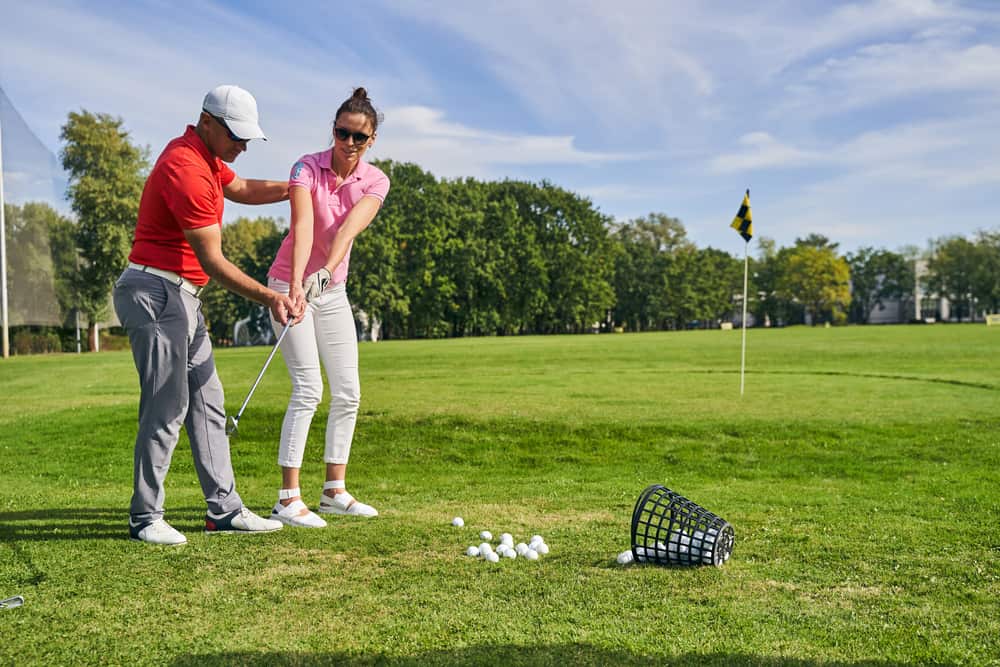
x: 232, y: 137
x: 343, y: 134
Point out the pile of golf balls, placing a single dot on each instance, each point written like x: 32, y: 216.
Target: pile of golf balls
x: 696, y: 547
x: 506, y: 548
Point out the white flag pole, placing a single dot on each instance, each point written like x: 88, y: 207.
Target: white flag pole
x: 3, y: 260
x: 743, y: 355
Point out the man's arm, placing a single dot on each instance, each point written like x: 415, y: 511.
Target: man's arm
x: 254, y: 191
x: 207, y: 244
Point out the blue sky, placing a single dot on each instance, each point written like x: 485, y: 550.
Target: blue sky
x: 874, y: 122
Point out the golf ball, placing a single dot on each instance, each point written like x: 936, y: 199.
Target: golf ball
x: 507, y: 539
x: 472, y: 551
x: 542, y: 548
x: 502, y: 549
x: 625, y: 557
x: 486, y: 535
x: 521, y: 548
x: 458, y: 521
x: 536, y: 538
x: 531, y: 554
x: 485, y: 549
x: 492, y: 557
x: 510, y: 553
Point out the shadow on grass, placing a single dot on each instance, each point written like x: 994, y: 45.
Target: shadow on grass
x: 872, y: 376
x: 80, y: 523
x: 511, y: 656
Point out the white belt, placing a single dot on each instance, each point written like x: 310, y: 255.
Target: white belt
x: 169, y: 276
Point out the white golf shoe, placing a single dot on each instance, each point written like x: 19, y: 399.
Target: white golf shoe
x: 345, y: 503
x: 157, y: 531
x: 292, y: 515
x: 241, y: 521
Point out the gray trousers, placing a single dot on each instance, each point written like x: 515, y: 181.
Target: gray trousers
x: 178, y: 385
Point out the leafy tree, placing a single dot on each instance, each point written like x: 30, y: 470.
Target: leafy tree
x: 106, y: 177
x: 817, y: 241
x: 30, y: 271
x: 716, y: 276
x: 768, y: 303
x: 474, y: 254
x: 649, y: 273
x: 986, y: 272
x: 951, y: 270
x: 573, y: 242
x: 250, y: 244
x: 65, y: 263
x: 818, y: 279
x: 876, y: 276
x: 522, y: 261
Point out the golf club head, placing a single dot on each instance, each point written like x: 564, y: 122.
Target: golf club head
x: 231, y: 425
x: 10, y: 603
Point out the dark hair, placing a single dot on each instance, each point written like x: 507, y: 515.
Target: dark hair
x: 359, y: 102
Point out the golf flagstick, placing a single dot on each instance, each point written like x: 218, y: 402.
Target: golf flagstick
x: 743, y: 223
x: 234, y: 422
x: 743, y: 353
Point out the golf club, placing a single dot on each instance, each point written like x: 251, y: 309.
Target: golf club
x: 10, y: 603
x: 233, y: 422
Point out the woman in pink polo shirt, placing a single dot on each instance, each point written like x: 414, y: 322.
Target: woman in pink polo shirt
x: 334, y: 196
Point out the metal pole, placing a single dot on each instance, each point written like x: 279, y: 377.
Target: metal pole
x: 233, y: 422
x: 3, y: 260
x: 743, y: 354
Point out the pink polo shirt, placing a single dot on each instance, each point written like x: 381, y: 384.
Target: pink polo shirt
x: 330, y: 208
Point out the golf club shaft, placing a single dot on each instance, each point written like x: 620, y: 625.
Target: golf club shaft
x: 274, y: 349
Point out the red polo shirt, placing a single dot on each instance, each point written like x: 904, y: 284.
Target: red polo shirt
x: 184, y: 191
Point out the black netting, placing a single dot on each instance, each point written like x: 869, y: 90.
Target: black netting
x: 669, y: 529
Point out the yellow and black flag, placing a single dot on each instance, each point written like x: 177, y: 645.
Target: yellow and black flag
x: 743, y: 222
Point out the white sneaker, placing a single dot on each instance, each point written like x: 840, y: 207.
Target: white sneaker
x: 239, y: 521
x: 155, y: 532
x: 345, y: 503
x: 291, y: 515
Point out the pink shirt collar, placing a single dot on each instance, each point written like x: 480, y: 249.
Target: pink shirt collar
x: 325, y: 160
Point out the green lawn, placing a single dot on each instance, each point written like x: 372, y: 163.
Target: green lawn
x: 860, y: 472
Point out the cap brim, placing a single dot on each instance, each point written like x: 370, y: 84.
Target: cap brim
x: 246, y: 129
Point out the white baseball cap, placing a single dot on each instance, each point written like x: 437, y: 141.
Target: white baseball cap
x: 237, y: 108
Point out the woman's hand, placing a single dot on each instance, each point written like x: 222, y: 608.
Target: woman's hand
x: 316, y: 283
x: 298, y: 298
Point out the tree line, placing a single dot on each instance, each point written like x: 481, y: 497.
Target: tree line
x: 465, y: 257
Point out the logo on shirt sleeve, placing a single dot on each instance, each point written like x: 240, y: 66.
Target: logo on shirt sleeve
x: 297, y: 169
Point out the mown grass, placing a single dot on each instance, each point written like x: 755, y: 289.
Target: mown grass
x: 860, y: 472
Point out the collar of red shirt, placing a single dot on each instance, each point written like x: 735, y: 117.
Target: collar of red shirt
x: 192, y: 139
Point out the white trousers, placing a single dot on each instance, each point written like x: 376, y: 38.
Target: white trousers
x: 325, y: 335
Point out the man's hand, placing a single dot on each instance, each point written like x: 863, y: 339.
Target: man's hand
x: 284, y: 308
x: 316, y: 283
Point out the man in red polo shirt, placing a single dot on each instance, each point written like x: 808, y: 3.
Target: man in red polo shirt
x: 177, y: 248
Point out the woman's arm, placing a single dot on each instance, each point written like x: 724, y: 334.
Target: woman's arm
x: 301, y: 229
x: 357, y: 220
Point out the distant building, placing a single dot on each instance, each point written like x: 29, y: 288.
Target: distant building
x: 919, y: 306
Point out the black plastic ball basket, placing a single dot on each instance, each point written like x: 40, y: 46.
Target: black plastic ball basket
x: 669, y: 529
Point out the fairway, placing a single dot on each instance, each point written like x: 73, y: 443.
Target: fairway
x: 860, y: 472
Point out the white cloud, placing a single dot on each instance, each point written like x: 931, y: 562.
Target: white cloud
x: 762, y: 152
x: 448, y: 149
x: 862, y: 97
